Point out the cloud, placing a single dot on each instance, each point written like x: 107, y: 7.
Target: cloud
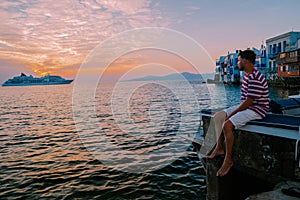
x: 10, y: 69
x: 190, y: 10
x: 50, y: 35
x: 192, y: 7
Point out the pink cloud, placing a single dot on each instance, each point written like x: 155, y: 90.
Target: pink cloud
x: 49, y: 35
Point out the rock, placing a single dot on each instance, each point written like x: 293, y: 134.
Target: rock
x: 276, y: 193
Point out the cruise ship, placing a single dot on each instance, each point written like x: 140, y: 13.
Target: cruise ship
x: 24, y: 80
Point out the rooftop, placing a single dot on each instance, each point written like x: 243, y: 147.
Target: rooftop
x: 282, y: 36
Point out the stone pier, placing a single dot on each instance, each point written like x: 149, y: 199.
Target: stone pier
x: 260, y: 161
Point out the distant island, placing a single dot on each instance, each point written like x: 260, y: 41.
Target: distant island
x: 195, y: 78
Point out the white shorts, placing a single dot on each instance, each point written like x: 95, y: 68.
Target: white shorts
x: 242, y: 117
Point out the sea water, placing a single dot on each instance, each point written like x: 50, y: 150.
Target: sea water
x: 44, y: 155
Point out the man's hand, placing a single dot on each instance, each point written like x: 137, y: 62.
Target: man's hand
x: 246, y: 104
x: 227, y: 118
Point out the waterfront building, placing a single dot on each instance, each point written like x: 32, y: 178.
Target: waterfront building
x: 286, y: 42
x: 226, y: 68
x: 288, y: 64
x: 261, y: 59
x: 278, y: 60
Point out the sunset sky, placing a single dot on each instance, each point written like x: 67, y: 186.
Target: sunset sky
x: 41, y: 37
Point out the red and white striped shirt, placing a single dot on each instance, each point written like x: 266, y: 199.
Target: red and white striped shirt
x: 255, y: 86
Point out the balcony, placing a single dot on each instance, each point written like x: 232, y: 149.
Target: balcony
x: 289, y: 74
x: 272, y: 55
x: 289, y: 71
x: 285, y: 58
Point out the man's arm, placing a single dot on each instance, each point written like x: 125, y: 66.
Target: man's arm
x: 248, y: 102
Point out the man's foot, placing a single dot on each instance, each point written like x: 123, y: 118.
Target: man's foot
x: 216, y: 152
x: 225, y: 168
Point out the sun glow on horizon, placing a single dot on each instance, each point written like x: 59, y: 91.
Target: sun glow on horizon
x: 46, y: 37
x: 53, y: 39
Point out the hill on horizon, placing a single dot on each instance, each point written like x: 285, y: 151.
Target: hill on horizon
x: 175, y: 76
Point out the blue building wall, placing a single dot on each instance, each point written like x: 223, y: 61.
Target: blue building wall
x: 227, y: 69
x: 227, y: 66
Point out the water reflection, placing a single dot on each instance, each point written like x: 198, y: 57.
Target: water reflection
x: 42, y: 155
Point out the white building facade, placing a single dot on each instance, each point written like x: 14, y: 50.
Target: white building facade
x: 282, y: 43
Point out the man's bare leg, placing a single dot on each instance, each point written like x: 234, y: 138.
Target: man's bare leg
x: 219, y: 150
x: 218, y: 118
x: 229, y: 139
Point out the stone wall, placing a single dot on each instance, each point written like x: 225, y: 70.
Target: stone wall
x: 266, y: 157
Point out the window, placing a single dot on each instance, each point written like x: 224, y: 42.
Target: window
x: 284, y: 45
x: 283, y: 69
x: 282, y: 55
x: 279, y: 47
x: 270, y: 49
x: 293, y: 54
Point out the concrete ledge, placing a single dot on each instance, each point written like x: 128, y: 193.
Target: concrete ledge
x: 266, y: 157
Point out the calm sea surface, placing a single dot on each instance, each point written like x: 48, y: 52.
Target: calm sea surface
x: 43, y: 155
